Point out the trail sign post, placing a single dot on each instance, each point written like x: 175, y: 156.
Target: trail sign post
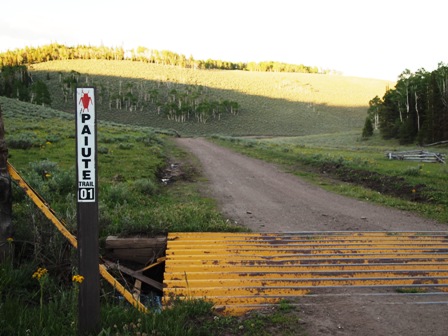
x: 87, y: 200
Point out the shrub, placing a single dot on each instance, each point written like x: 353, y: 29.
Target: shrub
x: 413, y: 171
x: 53, y: 138
x: 145, y: 186
x: 23, y: 141
x: 43, y: 167
x: 125, y: 146
x: 63, y: 182
x: 118, y: 194
x: 103, y: 150
x: 151, y: 139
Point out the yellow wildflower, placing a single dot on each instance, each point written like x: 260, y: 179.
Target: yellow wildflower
x: 41, y: 272
x: 78, y: 278
x: 10, y: 240
x: 414, y: 191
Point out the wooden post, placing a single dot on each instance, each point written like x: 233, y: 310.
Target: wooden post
x: 87, y: 196
x: 5, y: 196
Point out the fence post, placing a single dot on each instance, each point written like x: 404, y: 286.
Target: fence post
x: 88, y: 246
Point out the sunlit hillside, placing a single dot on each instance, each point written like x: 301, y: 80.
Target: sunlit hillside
x: 269, y: 103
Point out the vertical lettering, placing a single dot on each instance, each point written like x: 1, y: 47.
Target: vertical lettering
x: 86, y: 151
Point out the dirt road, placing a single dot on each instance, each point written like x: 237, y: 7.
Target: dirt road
x: 264, y: 198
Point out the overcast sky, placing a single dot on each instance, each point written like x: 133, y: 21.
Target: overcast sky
x: 366, y: 38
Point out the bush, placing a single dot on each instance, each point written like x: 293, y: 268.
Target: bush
x: 118, y: 194
x: 23, y: 141
x: 145, y: 186
x: 125, y: 146
x: 413, y: 171
x: 63, y: 182
x: 43, y: 167
x: 53, y: 138
x: 103, y: 150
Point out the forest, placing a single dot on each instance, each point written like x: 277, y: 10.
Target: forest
x: 415, y: 110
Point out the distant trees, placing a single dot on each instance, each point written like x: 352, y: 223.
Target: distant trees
x: 174, y: 101
x: 16, y: 82
x: 416, y: 109
x: 280, y: 67
x: 57, y: 51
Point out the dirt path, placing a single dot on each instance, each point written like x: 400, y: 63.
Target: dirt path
x: 263, y: 198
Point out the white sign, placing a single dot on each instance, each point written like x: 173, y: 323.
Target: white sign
x: 86, y: 143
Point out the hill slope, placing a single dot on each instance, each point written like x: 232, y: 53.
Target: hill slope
x: 269, y: 103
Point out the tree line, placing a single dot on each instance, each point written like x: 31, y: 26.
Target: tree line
x: 55, y: 51
x: 416, y: 109
x: 16, y: 82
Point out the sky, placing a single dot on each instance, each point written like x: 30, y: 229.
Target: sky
x: 364, y: 38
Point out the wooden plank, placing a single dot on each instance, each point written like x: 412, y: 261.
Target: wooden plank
x: 155, y: 284
x: 114, y: 242
x: 137, y: 291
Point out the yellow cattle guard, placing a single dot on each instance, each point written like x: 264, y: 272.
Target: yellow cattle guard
x: 244, y: 271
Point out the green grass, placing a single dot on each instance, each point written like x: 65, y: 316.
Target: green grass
x: 131, y: 161
x: 271, y: 103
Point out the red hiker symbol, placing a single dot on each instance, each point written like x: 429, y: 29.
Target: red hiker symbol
x: 86, y: 100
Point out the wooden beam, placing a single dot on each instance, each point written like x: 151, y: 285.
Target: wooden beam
x: 155, y: 284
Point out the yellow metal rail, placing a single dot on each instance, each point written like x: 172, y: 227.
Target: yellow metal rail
x: 49, y: 213
x: 243, y: 271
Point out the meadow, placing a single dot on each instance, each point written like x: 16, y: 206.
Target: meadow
x: 277, y: 104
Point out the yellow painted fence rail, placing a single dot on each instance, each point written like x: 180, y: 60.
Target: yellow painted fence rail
x: 48, y: 212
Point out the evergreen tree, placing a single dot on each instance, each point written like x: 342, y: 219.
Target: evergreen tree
x: 367, y: 131
x: 389, y: 115
x: 40, y: 93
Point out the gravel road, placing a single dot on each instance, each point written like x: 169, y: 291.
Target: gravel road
x: 264, y: 198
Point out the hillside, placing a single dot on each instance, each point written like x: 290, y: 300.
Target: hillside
x: 269, y: 103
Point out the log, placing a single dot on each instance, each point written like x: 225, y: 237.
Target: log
x: 114, y: 242
x: 141, y: 250
x: 155, y: 284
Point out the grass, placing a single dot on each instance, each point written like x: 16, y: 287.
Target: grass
x: 132, y: 160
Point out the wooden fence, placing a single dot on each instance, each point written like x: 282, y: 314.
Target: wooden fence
x: 417, y: 155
